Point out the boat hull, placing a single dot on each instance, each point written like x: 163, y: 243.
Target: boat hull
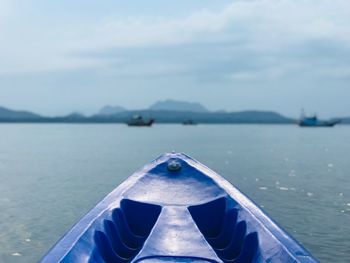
x: 141, y: 123
x: 313, y: 122
x: 176, y: 209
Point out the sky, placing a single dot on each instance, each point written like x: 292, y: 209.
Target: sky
x: 63, y: 56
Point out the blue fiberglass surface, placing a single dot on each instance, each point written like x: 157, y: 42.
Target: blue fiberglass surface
x: 176, y: 210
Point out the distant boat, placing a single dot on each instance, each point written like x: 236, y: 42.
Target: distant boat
x: 315, y: 122
x: 189, y: 122
x: 138, y: 120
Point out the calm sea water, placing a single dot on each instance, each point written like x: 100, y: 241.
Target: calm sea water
x: 51, y: 175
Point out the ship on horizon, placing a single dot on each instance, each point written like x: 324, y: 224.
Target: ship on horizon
x: 138, y: 120
x: 189, y: 122
x: 313, y: 121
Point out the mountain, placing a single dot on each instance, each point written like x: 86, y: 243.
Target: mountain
x: 345, y: 120
x: 174, y: 105
x: 188, y: 111
x: 110, y: 110
x: 13, y: 115
x: 74, y: 116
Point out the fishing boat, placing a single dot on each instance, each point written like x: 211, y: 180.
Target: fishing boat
x: 189, y: 122
x: 138, y: 120
x: 175, y: 209
x: 313, y: 121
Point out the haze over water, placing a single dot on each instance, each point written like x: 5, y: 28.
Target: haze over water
x: 51, y: 175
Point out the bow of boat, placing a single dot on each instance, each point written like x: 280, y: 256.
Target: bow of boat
x: 176, y: 209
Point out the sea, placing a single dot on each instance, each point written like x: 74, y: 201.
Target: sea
x: 52, y: 174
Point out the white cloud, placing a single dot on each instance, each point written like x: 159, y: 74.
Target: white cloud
x: 138, y: 32
x: 269, y: 27
x: 4, y: 9
x: 254, y: 75
x: 259, y: 23
x: 335, y: 72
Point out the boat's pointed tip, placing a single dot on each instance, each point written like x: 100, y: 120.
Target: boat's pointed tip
x: 175, y: 155
x: 172, y: 156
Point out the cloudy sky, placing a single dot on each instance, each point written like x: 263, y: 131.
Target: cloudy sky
x: 60, y: 56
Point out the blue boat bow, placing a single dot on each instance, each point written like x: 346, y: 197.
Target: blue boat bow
x: 176, y: 209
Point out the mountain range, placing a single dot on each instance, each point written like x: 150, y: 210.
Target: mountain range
x: 167, y: 111
x: 8, y: 115
x: 173, y: 105
x: 110, y: 110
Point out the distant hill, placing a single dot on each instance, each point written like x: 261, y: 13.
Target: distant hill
x: 174, y: 105
x: 345, y: 120
x: 188, y: 111
x: 110, y: 110
x: 13, y: 115
x: 74, y: 116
